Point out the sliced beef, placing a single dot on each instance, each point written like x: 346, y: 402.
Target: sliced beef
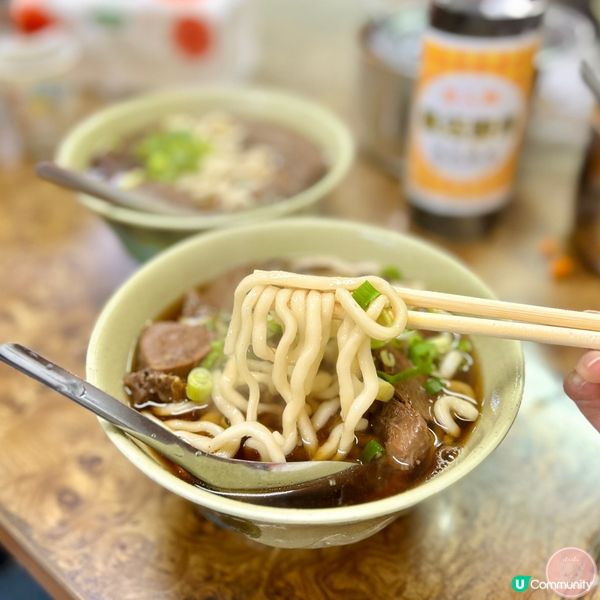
x: 195, y: 306
x: 301, y: 161
x: 153, y: 386
x: 219, y: 294
x: 409, y: 445
x: 172, y: 347
x: 410, y: 390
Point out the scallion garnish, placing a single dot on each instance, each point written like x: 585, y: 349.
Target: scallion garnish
x: 391, y: 273
x: 167, y: 155
x: 386, y: 318
x: 215, y: 356
x: 422, y: 351
x: 388, y: 359
x: 274, y: 327
x: 372, y: 451
x: 422, y: 355
x: 364, y: 294
x: 433, y: 386
x: 377, y: 344
x: 386, y: 391
x: 401, y: 375
x: 199, y: 385
x: 464, y: 345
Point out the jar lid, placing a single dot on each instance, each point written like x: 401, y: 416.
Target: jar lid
x: 487, y: 18
x: 25, y: 58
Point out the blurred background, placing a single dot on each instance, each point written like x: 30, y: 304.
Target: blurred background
x: 63, y: 60
x: 60, y: 60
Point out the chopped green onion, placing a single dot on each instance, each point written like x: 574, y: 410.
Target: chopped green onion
x: 274, y: 327
x: 405, y: 339
x: 377, y: 344
x: 464, y: 345
x: 215, y: 356
x: 199, y: 385
x: 385, y: 392
x: 399, y: 343
x: 391, y: 273
x: 401, y: 375
x: 422, y: 352
x: 385, y: 318
x: 372, y: 451
x: 388, y: 359
x: 414, y: 337
x: 442, y: 341
x: 166, y: 155
x: 433, y: 386
x: 364, y: 294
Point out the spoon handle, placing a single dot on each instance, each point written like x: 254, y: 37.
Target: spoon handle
x: 247, y: 481
x: 88, y: 396
x: 83, y: 182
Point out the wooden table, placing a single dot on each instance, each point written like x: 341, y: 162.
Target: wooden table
x: 89, y: 525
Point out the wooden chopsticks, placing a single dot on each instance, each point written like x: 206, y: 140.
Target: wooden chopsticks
x: 508, y: 320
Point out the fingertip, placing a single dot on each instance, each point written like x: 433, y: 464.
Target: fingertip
x: 572, y: 385
x: 588, y: 366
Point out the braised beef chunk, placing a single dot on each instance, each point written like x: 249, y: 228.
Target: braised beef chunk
x: 194, y: 306
x: 152, y: 386
x: 172, y: 347
x: 409, y: 445
x: 411, y: 390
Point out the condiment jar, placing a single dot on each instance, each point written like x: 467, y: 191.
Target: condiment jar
x: 34, y: 78
x: 469, y: 111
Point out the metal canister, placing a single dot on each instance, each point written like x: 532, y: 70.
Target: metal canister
x: 390, y: 53
x: 469, y: 111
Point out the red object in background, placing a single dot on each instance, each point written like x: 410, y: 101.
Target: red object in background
x: 30, y: 17
x: 192, y: 36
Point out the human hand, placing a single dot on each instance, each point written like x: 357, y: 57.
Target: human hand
x: 583, y: 386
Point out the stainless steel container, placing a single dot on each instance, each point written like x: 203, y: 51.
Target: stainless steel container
x: 390, y: 50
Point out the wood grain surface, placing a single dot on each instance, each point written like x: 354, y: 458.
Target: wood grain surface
x: 88, y: 525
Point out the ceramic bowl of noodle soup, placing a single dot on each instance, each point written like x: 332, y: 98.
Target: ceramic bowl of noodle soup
x: 288, y: 341
x: 214, y: 156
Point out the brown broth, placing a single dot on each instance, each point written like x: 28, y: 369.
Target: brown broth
x: 373, y: 481
x: 300, y: 164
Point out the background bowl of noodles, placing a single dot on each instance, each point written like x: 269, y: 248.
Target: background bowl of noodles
x: 202, y: 258
x: 146, y: 233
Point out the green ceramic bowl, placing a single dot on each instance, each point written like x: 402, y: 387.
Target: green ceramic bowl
x: 144, y: 234
x: 199, y: 259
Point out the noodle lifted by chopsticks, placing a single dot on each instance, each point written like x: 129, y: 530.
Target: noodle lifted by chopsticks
x: 317, y: 314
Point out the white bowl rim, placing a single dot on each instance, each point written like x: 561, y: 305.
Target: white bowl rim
x: 339, y: 167
x: 302, y: 516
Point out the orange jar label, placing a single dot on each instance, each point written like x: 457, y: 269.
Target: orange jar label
x: 467, y: 123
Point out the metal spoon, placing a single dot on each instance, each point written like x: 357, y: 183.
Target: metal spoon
x: 257, y: 482
x: 86, y: 183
